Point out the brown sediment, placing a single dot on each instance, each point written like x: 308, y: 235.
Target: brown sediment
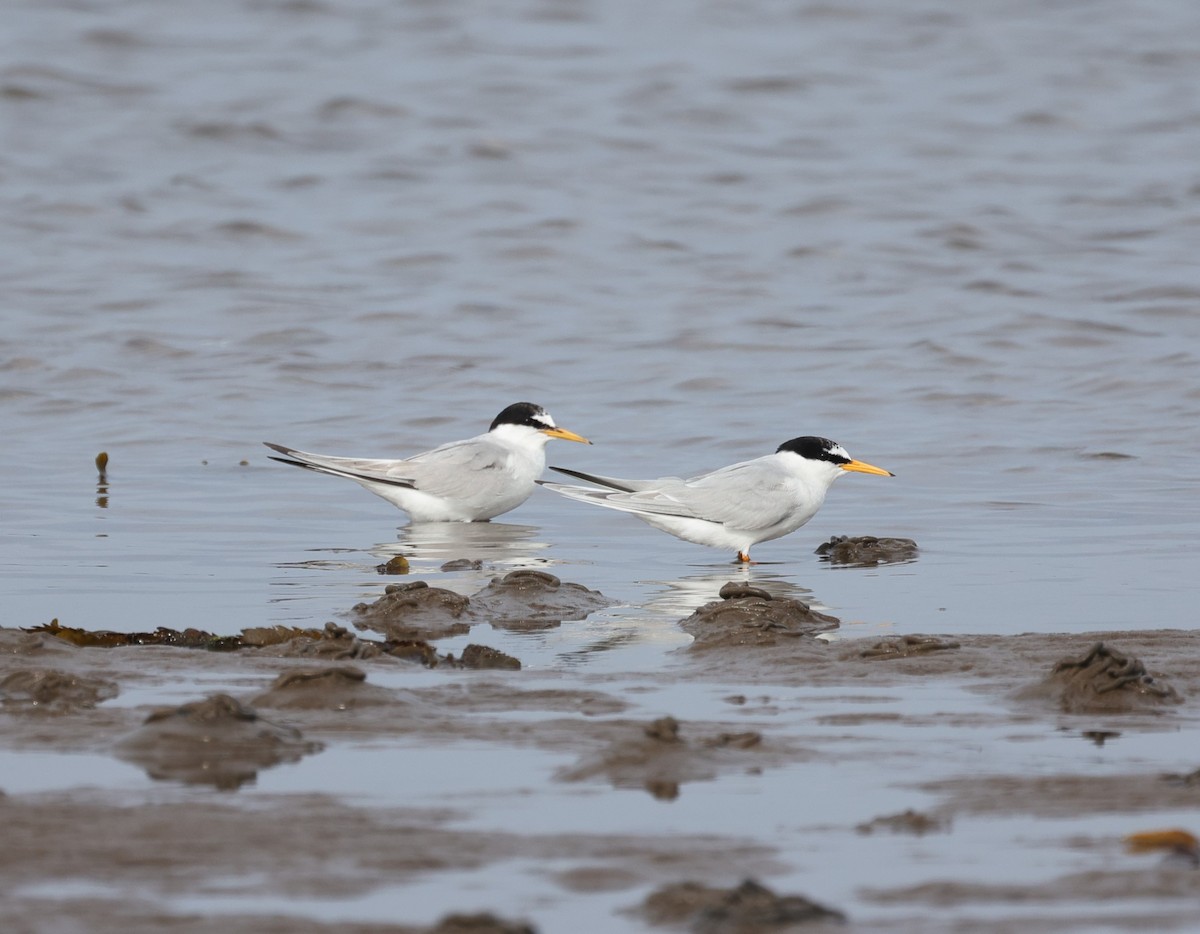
x: 522, y: 599
x: 534, y: 600
x: 907, y: 646
x: 1103, y: 680
x: 663, y: 755
x: 48, y: 690
x: 910, y: 821
x: 341, y: 688
x: 217, y: 741
x: 485, y: 657
x: 747, y: 615
x: 750, y: 908
x: 304, y: 844
x: 867, y: 551
x: 415, y: 611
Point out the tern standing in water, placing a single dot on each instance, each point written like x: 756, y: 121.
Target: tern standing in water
x: 734, y: 507
x: 463, y: 481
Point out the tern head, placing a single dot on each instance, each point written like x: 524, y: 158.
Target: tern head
x: 524, y: 417
x: 829, y: 457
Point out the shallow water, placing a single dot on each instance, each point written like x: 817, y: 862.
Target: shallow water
x: 959, y: 240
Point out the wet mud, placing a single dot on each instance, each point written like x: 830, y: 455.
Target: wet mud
x: 867, y: 551
x: 309, y: 696
x: 47, y: 690
x: 750, y: 908
x: 520, y: 600
x: 663, y: 755
x: 217, y: 741
x: 750, y: 616
x: 1104, y: 680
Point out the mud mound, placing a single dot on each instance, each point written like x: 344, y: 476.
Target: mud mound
x: 28, y: 642
x: 53, y: 691
x: 483, y: 923
x: 750, y: 908
x: 658, y: 758
x: 908, y: 646
x: 747, y: 615
x: 335, y: 643
x: 216, y: 741
x: 1103, y: 681
x: 414, y: 612
x: 867, y: 551
x: 519, y: 600
x: 484, y: 657
x: 323, y: 689
x: 534, y: 600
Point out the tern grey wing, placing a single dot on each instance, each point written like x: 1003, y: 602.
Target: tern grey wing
x: 750, y: 495
x: 476, y: 469
x: 612, y: 483
x: 379, y: 470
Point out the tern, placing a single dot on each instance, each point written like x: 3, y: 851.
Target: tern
x: 463, y: 481
x: 733, y: 507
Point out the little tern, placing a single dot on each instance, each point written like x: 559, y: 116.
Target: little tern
x: 733, y: 507
x: 463, y: 481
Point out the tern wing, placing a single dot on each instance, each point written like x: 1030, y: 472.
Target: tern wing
x: 613, y: 483
x: 477, y: 469
x: 751, y: 495
x: 377, y: 470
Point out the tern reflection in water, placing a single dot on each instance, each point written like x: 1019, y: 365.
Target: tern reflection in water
x: 496, y: 545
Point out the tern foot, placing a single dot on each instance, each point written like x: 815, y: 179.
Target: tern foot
x: 743, y: 557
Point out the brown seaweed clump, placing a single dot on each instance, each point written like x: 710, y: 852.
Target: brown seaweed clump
x: 867, y: 551
x: 748, y: 615
x: 1104, y: 680
x: 750, y: 908
x: 216, y: 741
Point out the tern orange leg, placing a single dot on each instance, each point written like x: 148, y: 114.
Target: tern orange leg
x: 743, y: 557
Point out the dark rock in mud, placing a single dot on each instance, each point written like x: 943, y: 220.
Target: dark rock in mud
x: 1104, y: 680
x: 482, y: 923
x: 485, y: 657
x: 415, y: 611
x: 748, y: 615
x: 750, y: 908
x: 341, y: 688
x: 534, y: 600
x: 53, y: 691
x: 658, y: 758
x: 907, y: 646
x: 216, y: 741
x: 867, y: 551
x: 909, y: 821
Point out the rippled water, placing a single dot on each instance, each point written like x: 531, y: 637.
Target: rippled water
x: 960, y: 239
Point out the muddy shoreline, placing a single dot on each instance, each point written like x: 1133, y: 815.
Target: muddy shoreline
x: 198, y: 824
